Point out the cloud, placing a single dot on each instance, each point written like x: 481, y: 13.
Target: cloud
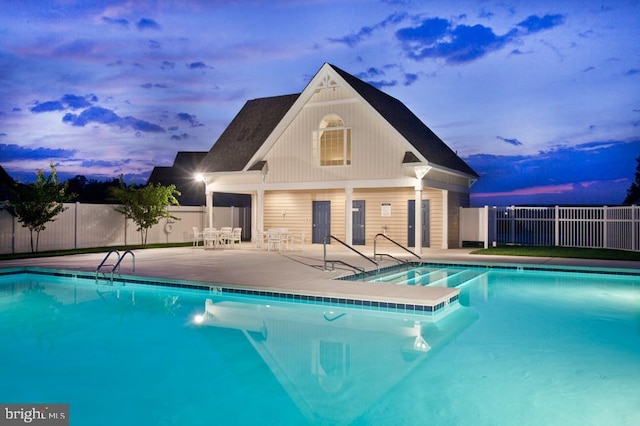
x: 632, y: 71
x: 354, y: 39
x: 153, y: 44
x: 410, y: 78
x: 108, y: 117
x: 442, y: 38
x: 77, y: 102
x: 198, y: 65
x: 47, y: 107
x: 512, y: 141
x: 147, y: 24
x: 154, y: 86
x: 120, y: 22
x: 569, y: 172
x: 167, y: 65
x: 12, y: 152
x: 66, y: 102
x: 103, y: 163
x: 181, y: 137
x: 534, y: 24
x: 191, y: 119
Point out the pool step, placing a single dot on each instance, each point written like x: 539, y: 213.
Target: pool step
x: 433, y: 277
x: 404, y: 277
x: 457, y: 279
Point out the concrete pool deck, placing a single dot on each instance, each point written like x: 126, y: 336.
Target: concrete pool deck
x: 299, y: 271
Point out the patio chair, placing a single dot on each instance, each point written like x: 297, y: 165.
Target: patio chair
x: 274, y: 239
x: 226, y: 234
x: 197, y: 237
x: 236, y: 237
x: 211, y: 237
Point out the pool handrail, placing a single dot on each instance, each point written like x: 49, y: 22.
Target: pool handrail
x: 117, y: 253
x: 115, y: 266
x: 328, y: 238
x: 375, y: 252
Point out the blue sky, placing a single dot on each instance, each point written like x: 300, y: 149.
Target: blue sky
x: 541, y: 98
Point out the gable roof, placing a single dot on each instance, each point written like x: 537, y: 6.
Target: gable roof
x: 257, y: 119
x: 408, y: 125
x: 246, y: 133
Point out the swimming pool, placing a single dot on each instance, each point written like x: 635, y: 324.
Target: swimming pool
x: 519, y: 347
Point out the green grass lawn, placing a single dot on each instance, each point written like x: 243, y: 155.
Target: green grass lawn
x: 88, y: 250
x: 567, y: 252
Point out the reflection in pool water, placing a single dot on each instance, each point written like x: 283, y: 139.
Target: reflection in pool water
x: 519, y: 348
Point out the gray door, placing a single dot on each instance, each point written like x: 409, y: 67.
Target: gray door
x: 358, y: 231
x: 411, y: 235
x: 321, y: 221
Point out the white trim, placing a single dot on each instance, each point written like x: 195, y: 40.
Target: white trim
x: 331, y: 103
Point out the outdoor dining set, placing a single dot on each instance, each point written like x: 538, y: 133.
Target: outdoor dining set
x: 217, y: 238
x: 279, y: 239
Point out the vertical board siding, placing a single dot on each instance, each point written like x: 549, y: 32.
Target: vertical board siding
x: 99, y: 225
x: 456, y: 200
x: 376, y: 151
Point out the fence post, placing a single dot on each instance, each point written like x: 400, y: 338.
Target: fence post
x: 556, y: 237
x: 75, y: 226
x: 485, y: 226
x: 13, y: 234
x: 604, y: 227
x: 634, y: 231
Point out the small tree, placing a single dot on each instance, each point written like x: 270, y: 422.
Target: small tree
x: 38, y: 203
x: 145, y: 205
x: 633, y: 193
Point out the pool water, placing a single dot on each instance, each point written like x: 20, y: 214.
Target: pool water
x: 520, y: 347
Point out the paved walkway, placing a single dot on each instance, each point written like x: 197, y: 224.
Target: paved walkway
x: 297, y: 272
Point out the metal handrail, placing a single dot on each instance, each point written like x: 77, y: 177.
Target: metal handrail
x: 117, y: 265
x: 330, y: 237
x: 375, y: 253
x: 105, y: 259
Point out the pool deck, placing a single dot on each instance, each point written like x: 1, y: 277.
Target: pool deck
x: 300, y: 272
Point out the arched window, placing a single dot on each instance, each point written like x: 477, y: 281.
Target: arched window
x: 332, y: 142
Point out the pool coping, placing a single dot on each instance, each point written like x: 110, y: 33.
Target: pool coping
x: 225, y: 289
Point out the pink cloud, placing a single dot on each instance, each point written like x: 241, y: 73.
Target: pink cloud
x: 534, y: 190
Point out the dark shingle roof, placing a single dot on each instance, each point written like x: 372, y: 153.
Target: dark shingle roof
x: 408, y: 125
x: 258, y: 118
x: 246, y: 133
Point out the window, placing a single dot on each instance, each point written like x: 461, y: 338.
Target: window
x: 332, y: 142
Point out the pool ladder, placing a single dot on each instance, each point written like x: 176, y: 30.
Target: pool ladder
x: 114, y: 266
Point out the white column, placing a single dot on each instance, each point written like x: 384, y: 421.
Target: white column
x: 209, y: 200
x: 260, y: 211
x: 348, y: 220
x: 445, y: 219
x: 418, y: 220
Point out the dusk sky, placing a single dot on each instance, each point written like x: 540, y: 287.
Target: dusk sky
x: 541, y: 98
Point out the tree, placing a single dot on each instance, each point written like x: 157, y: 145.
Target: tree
x: 633, y: 193
x: 145, y: 205
x: 38, y: 203
x: 91, y: 190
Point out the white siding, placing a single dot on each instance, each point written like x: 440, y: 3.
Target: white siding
x: 377, y: 152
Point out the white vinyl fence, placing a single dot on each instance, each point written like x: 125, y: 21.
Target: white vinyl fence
x: 588, y: 227
x: 99, y: 225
